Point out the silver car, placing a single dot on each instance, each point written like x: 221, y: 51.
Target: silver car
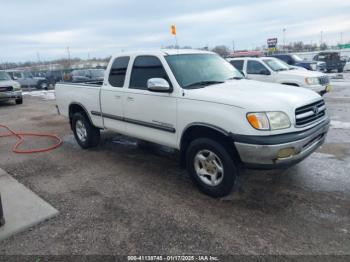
x: 26, y: 79
x: 9, y: 89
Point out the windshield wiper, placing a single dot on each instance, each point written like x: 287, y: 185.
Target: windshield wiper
x: 203, y: 83
x: 235, y: 78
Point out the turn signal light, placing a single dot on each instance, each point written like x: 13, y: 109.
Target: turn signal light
x: 286, y: 152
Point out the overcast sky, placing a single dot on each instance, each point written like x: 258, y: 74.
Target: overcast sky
x: 102, y: 27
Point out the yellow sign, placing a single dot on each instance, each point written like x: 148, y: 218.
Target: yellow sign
x: 173, y: 29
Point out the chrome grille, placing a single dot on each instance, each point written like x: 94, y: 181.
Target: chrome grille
x: 308, y: 114
x: 6, y: 88
x: 324, y: 80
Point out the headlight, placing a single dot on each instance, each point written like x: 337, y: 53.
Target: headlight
x: 16, y: 86
x: 268, y: 120
x: 312, y: 80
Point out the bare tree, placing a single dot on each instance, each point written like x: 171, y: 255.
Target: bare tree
x: 222, y: 50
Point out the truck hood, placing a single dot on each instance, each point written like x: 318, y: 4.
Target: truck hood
x: 301, y: 73
x: 7, y: 83
x: 304, y: 62
x: 254, y: 95
x: 39, y: 78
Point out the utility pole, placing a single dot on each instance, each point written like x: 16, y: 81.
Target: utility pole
x: 233, y: 46
x: 68, y: 53
x: 284, y: 39
x: 341, y: 38
x: 321, y: 38
x: 38, y: 57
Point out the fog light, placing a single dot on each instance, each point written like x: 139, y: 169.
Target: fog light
x: 286, y: 152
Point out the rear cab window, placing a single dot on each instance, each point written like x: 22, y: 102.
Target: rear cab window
x: 238, y: 64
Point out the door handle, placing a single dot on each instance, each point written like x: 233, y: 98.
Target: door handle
x: 117, y: 96
x: 129, y: 98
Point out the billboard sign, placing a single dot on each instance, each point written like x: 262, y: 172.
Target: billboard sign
x: 272, y: 42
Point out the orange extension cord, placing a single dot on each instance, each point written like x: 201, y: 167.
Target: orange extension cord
x: 20, y: 137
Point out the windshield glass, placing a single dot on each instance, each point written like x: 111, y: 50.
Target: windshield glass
x: 4, y: 76
x: 276, y: 65
x: 201, y: 69
x: 98, y: 73
x: 27, y: 75
x: 297, y: 58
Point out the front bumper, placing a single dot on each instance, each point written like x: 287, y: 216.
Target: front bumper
x: 5, y: 96
x: 321, y: 89
x: 264, y: 152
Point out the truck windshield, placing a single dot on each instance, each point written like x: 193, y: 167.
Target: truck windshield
x: 27, y: 75
x: 4, y: 76
x: 199, y: 70
x: 276, y: 65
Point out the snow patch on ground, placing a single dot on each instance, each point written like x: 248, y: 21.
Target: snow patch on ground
x: 45, y: 94
x: 340, y: 125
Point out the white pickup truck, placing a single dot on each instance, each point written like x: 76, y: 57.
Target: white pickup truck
x: 270, y: 69
x: 199, y: 104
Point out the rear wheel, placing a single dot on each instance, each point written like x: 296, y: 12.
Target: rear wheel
x: 340, y: 70
x: 211, y: 167
x: 85, y: 133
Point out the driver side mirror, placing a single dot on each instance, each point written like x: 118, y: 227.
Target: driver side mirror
x: 158, y: 85
x: 264, y: 72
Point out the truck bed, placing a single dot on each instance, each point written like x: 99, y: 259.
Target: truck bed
x: 86, y: 94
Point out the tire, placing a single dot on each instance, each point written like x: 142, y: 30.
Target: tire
x: 90, y: 137
x: 340, y: 70
x: 225, y: 180
x: 42, y: 85
x: 19, y: 101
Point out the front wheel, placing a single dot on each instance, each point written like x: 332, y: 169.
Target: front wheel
x: 85, y: 133
x: 340, y: 70
x: 211, y: 167
x: 42, y: 85
x: 19, y: 101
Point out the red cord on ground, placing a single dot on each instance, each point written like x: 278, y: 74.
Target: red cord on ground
x: 20, y: 136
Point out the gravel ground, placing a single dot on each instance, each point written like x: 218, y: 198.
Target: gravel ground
x: 126, y: 197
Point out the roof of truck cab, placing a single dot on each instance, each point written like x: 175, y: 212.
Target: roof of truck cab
x: 164, y: 52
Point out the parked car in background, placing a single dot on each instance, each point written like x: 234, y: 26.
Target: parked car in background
x: 197, y: 103
x: 295, y: 60
x: 347, y: 64
x: 332, y: 59
x: 9, y: 89
x: 87, y: 75
x: 54, y: 76
x: 26, y: 79
x: 270, y: 69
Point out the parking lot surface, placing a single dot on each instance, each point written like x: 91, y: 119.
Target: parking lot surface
x: 128, y: 197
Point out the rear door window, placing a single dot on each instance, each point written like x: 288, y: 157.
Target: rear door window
x: 117, y: 74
